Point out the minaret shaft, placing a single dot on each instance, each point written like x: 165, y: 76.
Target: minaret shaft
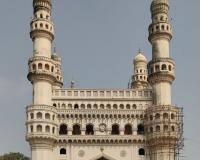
x: 161, y: 73
x: 164, y: 130
x: 44, y: 73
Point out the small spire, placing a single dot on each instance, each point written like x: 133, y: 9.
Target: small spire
x: 139, y: 50
x: 129, y: 84
x: 72, y: 84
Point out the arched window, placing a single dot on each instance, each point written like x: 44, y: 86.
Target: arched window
x: 114, y: 106
x: 31, y: 129
x: 157, y: 128
x: 82, y: 106
x: 32, y: 116
x: 76, y: 106
x: 39, y: 115
x: 47, y: 26
x: 170, y: 68
x: 53, y: 130
x: 54, y: 105
x: 69, y: 106
x: 165, y: 116
x: 63, y: 106
x: 34, y: 66
x: 47, y: 116
x: 46, y: 66
x: 52, y: 69
x: 76, y: 130
x: 41, y: 16
x: 157, y: 68
x: 165, y: 128
x: 141, y: 152
x: 121, y: 106
x: 108, y: 106
x: 41, y: 25
x: 39, y: 128
x: 89, y: 130
x: 172, y: 116
x: 151, y: 129
x: 128, y: 106
x: 63, y: 129
x: 115, y: 129
x: 101, y: 106
x: 173, y: 128
x: 63, y: 151
x: 102, y: 158
x: 140, y: 129
x: 128, y: 130
x: 89, y: 106
x: 164, y: 67
x: 47, y: 129
x: 157, y: 116
x: 134, y: 106
x: 95, y: 106
x: 40, y: 66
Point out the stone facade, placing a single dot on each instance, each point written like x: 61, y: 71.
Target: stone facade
x: 138, y: 123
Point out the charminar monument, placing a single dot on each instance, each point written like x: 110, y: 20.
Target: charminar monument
x: 138, y: 123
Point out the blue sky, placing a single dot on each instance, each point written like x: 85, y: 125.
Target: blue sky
x: 97, y: 40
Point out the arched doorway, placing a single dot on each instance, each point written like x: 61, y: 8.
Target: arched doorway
x: 102, y: 158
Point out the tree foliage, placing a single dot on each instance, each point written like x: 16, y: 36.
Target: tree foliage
x: 14, y: 156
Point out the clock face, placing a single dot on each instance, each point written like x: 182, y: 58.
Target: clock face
x: 102, y: 127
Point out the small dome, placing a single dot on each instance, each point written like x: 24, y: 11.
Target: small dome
x: 140, y: 57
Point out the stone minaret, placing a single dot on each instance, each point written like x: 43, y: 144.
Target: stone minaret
x: 44, y: 74
x: 161, y: 68
x: 139, y: 78
x: 162, y: 125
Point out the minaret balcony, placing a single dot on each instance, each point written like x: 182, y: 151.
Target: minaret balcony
x: 31, y: 136
x: 42, y: 28
x: 161, y: 29
x: 43, y: 66
x: 163, y: 122
x: 161, y: 69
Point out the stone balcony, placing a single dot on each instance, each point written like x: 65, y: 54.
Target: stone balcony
x: 102, y: 94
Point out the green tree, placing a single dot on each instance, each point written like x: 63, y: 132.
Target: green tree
x: 14, y: 156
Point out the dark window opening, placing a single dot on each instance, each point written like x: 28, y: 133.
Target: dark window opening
x: 140, y: 129
x: 115, y: 130
x: 164, y: 67
x: 76, y: 130
x: 76, y: 106
x: 63, y: 129
x: 141, y: 152
x: 128, y: 130
x: 89, y: 130
x: 63, y: 151
x: 102, y: 158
